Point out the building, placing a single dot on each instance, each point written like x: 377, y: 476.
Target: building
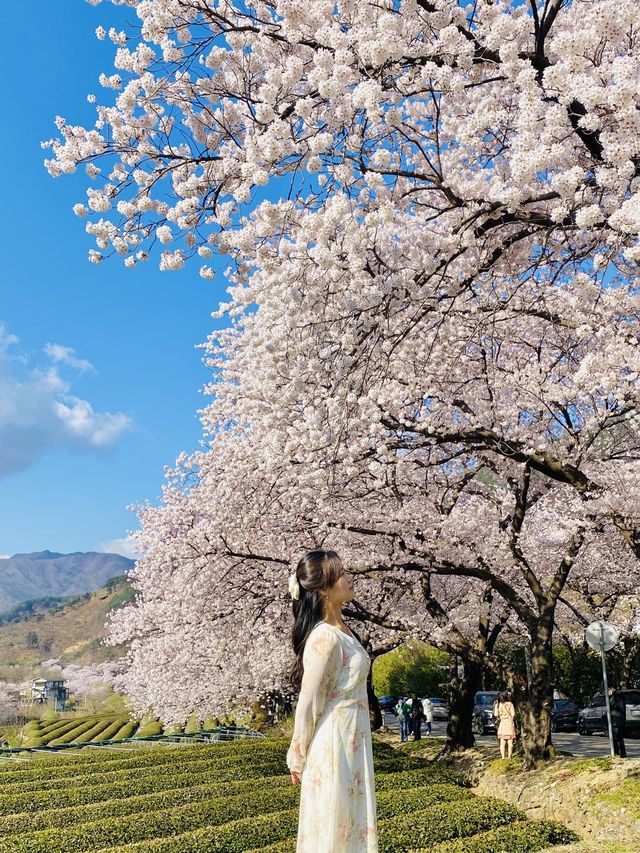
x: 46, y: 690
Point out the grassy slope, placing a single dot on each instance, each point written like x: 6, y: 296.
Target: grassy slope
x: 75, y: 631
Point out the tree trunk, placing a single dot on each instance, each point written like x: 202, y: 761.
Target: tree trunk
x: 535, y: 710
x: 464, y: 681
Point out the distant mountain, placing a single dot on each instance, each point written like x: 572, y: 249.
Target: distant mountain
x: 69, y: 629
x: 46, y: 573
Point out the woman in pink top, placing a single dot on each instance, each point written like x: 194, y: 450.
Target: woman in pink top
x: 505, y: 713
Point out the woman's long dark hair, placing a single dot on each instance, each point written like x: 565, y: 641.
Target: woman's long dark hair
x: 316, y: 572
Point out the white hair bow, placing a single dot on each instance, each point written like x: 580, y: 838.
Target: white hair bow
x: 294, y: 587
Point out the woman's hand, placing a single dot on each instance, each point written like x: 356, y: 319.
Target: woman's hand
x: 295, y: 778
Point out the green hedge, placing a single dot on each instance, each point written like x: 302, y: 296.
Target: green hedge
x: 233, y: 837
x: 51, y: 727
x: 97, y: 729
x: 438, y: 822
x: 76, y: 796
x: 93, y: 761
x: 72, y: 734
x: 58, y: 730
x: 58, y: 766
x: 196, y: 765
x: 63, y: 727
x: 61, y: 817
x: 115, y: 727
x: 406, y: 801
x: 95, y: 758
x: 287, y: 845
x: 109, y: 832
x: 200, y: 760
x: 156, y: 799
x: 150, y: 729
x: 444, y: 822
x: 411, y: 778
x: 263, y: 830
x: 235, y: 796
x: 521, y: 837
x: 399, y: 763
x: 127, y: 730
x: 193, y: 724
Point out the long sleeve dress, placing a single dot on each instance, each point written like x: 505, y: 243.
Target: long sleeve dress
x: 331, y: 747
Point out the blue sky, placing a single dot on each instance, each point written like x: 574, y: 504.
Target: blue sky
x: 99, y: 376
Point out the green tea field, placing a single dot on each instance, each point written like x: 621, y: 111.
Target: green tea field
x: 232, y: 797
x: 89, y: 729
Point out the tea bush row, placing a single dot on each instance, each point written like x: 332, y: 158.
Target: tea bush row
x: 397, y: 834
x: 161, y: 799
x: 126, y: 773
x: 525, y: 836
x: 212, y: 812
x: 127, y: 730
x: 72, y: 734
x: 77, y: 796
x: 520, y: 837
x: 150, y: 729
x: 60, y: 765
x: 137, y: 781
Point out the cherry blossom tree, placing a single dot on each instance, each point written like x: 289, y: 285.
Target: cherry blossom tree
x: 8, y: 702
x: 497, y: 126
x: 604, y: 595
x: 432, y: 213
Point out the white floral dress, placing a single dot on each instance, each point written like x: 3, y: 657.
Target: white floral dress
x: 331, y: 747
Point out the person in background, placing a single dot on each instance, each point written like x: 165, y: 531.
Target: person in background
x: 403, y: 709
x: 618, y: 721
x: 505, y: 715
x: 428, y: 715
x: 417, y: 713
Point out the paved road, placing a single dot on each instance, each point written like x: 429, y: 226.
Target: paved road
x: 590, y: 746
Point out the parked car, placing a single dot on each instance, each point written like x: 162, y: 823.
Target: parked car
x: 440, y: 708
x: 593, y: 718
x: 483, y: 722
x: 632, y: 703
x: 388, y: 703
x: 564, y: 716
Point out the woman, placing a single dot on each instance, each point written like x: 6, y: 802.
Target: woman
x: 505, y: 714
x: 428, y: 715
x: 330, y: 751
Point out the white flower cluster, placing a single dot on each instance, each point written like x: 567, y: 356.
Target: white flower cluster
x: 172, y: 260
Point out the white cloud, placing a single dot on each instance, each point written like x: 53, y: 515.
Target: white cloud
x: 127, y: 546
x: 39, y: 414
x: 98, y: 430
x: 6, y: 340
x: 5, y: 556
x: 67, y: 355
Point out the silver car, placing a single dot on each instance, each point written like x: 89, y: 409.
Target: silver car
x: 593, y: 718
x: 440, y: 708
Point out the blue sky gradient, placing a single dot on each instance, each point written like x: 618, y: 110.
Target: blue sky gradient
x: 138, y: 328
